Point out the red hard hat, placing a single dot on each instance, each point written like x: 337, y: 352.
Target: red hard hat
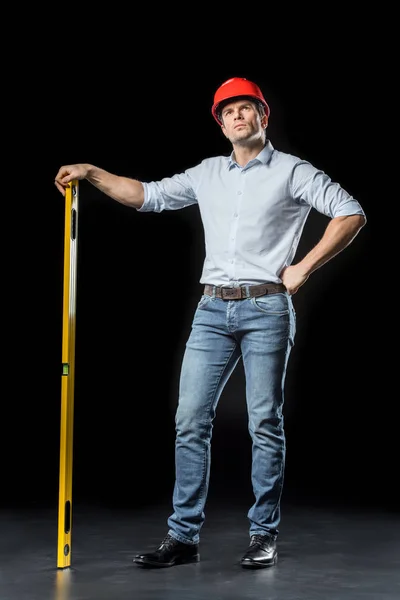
x: 234, y: 87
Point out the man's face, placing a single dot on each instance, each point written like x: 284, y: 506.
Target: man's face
x: 242, y: 122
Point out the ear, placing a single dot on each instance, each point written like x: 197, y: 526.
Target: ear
x: 224, y: 131
x: 264, y: 121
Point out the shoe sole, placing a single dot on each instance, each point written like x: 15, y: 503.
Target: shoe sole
x: 157, y: 565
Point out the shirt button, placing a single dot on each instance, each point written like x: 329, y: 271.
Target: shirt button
x: 239, y: 193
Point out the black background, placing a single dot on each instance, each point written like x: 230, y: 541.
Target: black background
x: 144, y: 110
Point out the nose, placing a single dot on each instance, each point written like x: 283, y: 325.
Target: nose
x: 238, y: 115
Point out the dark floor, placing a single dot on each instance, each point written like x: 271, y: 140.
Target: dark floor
x: 324, y: 554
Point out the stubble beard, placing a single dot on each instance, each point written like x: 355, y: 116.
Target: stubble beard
x: 245, y: 138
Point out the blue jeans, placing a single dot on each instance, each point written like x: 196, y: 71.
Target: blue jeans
x: 261, y: 331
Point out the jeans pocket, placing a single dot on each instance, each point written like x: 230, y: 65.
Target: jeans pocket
x: 204, y: 300
x: 274, y: 304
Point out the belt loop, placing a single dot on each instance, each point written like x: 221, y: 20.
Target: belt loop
x: 214, y: 290
x: 247, y: 288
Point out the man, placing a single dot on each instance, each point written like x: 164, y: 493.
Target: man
x: 253, y: 205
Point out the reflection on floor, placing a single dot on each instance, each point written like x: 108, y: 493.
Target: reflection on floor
x: 324, y: 554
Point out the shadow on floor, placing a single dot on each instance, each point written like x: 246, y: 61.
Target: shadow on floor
x: 324, y: 554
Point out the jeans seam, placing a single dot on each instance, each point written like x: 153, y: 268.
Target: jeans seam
x: 203, y: 479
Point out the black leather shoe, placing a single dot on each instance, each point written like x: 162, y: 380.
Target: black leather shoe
x: 261, y: 552
x: 169, y: 553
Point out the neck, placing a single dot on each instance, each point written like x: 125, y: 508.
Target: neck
x: 244, y: 154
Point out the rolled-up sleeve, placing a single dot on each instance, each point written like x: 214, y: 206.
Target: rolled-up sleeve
x: 316, y: 188
x: 170, y: 193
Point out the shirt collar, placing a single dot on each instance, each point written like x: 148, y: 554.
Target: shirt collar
x: 263, y: 157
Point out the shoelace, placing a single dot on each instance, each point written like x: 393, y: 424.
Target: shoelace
x: 258, y: 539
x: 168, y: 542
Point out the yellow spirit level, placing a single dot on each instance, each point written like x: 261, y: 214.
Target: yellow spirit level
x: 68, y: 375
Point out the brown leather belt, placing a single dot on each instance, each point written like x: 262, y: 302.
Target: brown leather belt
x: 246, y: 291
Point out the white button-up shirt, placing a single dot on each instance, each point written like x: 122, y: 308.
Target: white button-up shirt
x: 253, y: 216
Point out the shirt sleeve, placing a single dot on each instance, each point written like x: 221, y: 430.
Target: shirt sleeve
x: 316, y: 188
x: 170, y: 193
